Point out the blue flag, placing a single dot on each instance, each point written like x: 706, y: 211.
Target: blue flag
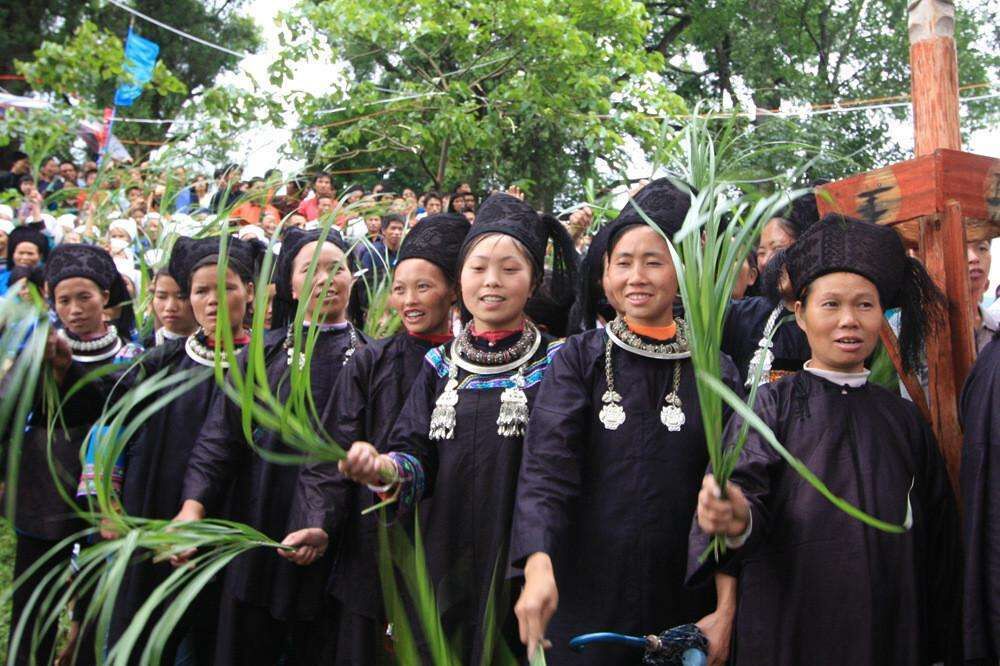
x: 140, y: 58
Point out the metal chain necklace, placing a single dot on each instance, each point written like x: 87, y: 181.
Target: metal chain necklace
x: 201, y: 353
x: 763, y: 358
x: 494, y: 358
x: 612, y: 414
x: 624, y: 337
x: 514, y: 413
x: 289, y: 345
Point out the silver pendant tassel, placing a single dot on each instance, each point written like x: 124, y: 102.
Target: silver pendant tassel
x: 443, y: 417
x: 513, y: 409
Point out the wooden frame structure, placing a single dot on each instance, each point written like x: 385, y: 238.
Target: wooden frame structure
x: 937, y: 202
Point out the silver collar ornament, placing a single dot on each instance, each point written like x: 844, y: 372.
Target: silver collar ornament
x: 612, y: 414
x: 513, y: 417
x: 82, y: 350
x: 289, y: 345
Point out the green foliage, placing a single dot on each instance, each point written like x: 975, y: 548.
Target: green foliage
x: 186, y: 69
x: 89, y: 67
x: 40, y: 132
x: 532, y: 93
x: 802, y: 51
x: 8, y: 546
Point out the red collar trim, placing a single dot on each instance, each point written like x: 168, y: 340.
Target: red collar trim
x: 494, y: 336
x: 240, y: 341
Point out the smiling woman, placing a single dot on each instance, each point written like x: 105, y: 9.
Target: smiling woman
x: 458, y: 438
x: 613, y: 458
x: 363, y: 407
x: 82, y: 279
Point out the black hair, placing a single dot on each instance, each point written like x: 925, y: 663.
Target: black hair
x: 922, y: 308
x: 323, y: 174
x: 391, y: 218
x: 26, y: 178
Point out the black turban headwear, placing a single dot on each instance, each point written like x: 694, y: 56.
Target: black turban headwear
x: 438, y: 239
x: 839, y: 244
x: 29, y: 233
x: 76, y: 260
x: 661, y: 201
x: 190, y: 254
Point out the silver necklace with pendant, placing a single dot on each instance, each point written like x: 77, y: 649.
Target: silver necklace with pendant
x: 763, y: 358
x: 289, y: 345
x: 612, y: 414
x: 514, y: 412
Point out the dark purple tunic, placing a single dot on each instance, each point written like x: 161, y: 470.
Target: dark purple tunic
x: 612, y: 508
x: 470, y: 482
x: 222, y: 467
x: 817, y: 586
x: 981, y: 506
x: 155, y: 461
x: 744, y: 328
x: 363, y: 406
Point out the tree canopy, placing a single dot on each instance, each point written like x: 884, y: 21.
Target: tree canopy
x: 819, y: 52
x: 534, y: 93
x: 547, y: 95
x: 73, y: 48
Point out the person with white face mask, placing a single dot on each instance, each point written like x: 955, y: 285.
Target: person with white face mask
x: 121, y: 239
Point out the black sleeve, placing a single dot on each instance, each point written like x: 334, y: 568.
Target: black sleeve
x: 323, y: 496
x: 550, y: 475
x: 217, y: 454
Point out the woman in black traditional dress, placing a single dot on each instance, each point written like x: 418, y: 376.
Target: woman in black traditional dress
x: 981, y: 508
x: 172, y: 310
x: 154, y: 462
x: 816, y: 585
x: 613, y: 458
x: 271, y: 608
x: 363, y: 406
x: 82, y: 280
x: 458, y: 439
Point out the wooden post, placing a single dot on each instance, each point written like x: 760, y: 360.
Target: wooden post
x: 934, y: 76
x: 934, y: 85
x: 936, y: 202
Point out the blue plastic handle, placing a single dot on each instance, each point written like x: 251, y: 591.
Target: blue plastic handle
x: 692, y: 657
x: 580, y: 643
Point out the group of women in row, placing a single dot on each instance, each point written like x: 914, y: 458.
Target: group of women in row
x: 559, y: 484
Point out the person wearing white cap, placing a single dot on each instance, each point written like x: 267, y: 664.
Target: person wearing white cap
x: 66, y: 222
x: 252, y: 231
x: 151, y: 226
x: 6, y: 213
x: 121, y: 238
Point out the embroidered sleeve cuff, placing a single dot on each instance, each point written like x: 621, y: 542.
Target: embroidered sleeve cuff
x: 89, y: 479
x: 412, y: 483
x: 738, y: 541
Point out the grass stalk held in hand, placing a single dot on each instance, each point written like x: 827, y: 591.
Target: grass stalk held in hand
x: 721, y: 226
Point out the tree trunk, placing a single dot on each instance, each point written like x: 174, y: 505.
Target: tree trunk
x: 442, y: 164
